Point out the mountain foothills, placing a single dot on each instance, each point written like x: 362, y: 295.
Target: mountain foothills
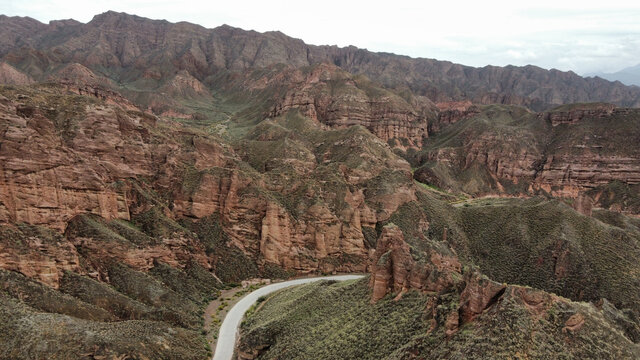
x: 146, y: 165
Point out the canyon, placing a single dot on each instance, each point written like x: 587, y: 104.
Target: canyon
x: 145, y: 165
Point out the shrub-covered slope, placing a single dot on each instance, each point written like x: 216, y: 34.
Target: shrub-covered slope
x: 337, y: 321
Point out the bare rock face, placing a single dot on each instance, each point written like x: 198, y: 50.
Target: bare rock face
x: 509, y: 150
x: 575, y: 113
x: 567, y: 175
x: 77, y: 74
x: 47, y: 184
x: 42, y: 260
x: 338, y: 99
x: 185, y: 85
x: 595, y: 150
x: 478, y: 294
x: 301, y: 245
x: 583, y: 204
x: 451, y: 112
x: 10, y: 75
x: 507, y: 98
x: 393, y: 269
x: 137, y: 47
x: 97, y: 154
x: 391, y: 264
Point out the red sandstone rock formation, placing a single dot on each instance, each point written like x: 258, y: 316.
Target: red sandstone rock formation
x: 583, y: 204
x: 35, y: 258
x: 452, y: 112
x: 393, y: 269
x: 478, y: 294
x: 576, y: 112
x: 10, y: 75
x: 338, y: 99
x: 52, y: 171
x: 592, y: 148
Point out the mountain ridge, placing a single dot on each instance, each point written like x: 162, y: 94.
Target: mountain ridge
x: 123, y: 42
x: 629, y: 76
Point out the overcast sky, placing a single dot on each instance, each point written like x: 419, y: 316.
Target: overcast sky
x: 582, y: 36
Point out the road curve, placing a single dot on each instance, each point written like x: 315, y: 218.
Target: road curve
x: 229, y: 329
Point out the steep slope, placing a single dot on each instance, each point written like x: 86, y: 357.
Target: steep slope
x: 227, y: 80
x: 149, y: 217
x: 568, y: 151
x: 10, y: 75
x: 535, y: 242
x: 155, y: 163
x: 135, y: 50
x: 427, y: 297
x: 93, y: 157
x: 101, y: 292
x: 336, y: 99
x: 545, y: 255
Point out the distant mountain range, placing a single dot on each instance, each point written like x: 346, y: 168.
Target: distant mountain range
x: 139, y: 54
x: 628, y: 76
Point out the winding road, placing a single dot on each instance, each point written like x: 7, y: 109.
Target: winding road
x: 229, y: 329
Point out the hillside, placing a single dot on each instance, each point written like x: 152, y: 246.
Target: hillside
x: 337, y: 321
x: 142, y: 55
x: 226, y: 80
x: 566, y: 152
x: 146, y: 165
x: 424, y: 300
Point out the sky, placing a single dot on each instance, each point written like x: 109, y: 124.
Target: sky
x: 582, y: 36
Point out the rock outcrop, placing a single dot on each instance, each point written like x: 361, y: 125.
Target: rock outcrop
x: 36, y: 258
x: 567, y: 175
x: 583, y: 204
x: 270, y: 159
x: 338, y: 99
x: 508, y: 150
x: 573, y: 113
x: 593, y: 151
x: 478, y: 294
x: 393, y: 269
x: 451, y: 112
x: 97, y: 154
x: 10, y: 75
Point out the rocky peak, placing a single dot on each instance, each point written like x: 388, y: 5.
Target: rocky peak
x: 21, y: 21
x: 144, y: 42
x: 17, y: 32
x: 119, y: 19
x: 64, y: 23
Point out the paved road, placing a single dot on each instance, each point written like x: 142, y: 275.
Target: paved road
x: 228, y: 330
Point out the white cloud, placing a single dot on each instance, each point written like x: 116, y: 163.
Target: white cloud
x: 582, y: 36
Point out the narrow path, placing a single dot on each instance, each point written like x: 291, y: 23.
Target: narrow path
x: 229, y: 329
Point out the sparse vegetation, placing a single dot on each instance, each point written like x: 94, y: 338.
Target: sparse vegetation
x: 153, y: 212
x: 337, y: 321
